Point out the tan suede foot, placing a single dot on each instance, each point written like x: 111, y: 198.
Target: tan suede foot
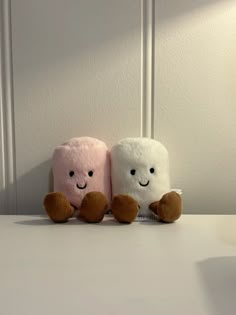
x: 58, y: 207
x: 169, y: 208
x: 124, y: 208
x: 93, y: 207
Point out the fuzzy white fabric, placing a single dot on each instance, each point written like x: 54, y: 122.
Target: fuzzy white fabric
x: 142, y: 155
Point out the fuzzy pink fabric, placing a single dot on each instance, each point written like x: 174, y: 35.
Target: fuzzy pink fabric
x: 81, y: 156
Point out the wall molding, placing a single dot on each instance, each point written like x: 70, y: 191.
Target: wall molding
x: 7, y: 111
x: 147, y: 67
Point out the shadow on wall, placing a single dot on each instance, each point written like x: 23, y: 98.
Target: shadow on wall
x: 33, y: 186
x: 98, y: 14
x: 91, y: 15
x: 219, y: 280
x: 31, y: 189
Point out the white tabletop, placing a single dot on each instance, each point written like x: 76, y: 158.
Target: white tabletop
x: 145, y: 268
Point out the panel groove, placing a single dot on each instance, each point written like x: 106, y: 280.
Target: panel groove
x: 2, y: 160
x: 147, y: 68
x: 7, y: 110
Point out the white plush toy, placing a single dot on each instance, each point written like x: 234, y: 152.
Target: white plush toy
x: 141, y: 181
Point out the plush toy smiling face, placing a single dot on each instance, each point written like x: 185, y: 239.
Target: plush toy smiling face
x: 140, y: 168
x: 143, y: 183
x: 80, y: 166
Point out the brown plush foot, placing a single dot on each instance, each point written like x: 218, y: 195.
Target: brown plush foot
x: 93, y: 207
x: 58, y: 207
x: 124, y: 208
x: 169, y: 208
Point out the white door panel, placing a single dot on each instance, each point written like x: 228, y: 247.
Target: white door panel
x: 76, y: 72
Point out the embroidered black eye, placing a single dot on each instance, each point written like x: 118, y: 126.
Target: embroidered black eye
x: 132, y: 172
x: 152, y: 170
x: 90, y: 173
x: 72, y: 173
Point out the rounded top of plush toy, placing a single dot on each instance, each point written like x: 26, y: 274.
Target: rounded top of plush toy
x: 141, y: 141
x: 81, y: 151
x: 85, y: 142
x: 140, y: 148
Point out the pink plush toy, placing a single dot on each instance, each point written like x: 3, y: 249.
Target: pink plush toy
x: 81, y: 173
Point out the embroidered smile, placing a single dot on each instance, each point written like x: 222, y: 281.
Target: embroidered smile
x: 144, y: 185
x: 83, y: 187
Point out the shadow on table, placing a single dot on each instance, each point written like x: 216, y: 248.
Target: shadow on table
x: 38, y: 220
x: 42, y: 220
x: 219, y: 279
x: 152, y: 223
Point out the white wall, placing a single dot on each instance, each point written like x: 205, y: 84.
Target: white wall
x: 195, y: 99
x: 111, y: 69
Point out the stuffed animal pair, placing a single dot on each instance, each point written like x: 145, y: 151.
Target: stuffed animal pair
x: 130, y: 180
